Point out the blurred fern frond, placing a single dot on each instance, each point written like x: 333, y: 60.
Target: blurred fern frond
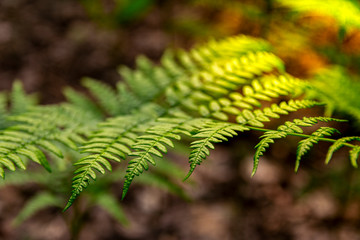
x: 339, y: 90
x: 347, y: 18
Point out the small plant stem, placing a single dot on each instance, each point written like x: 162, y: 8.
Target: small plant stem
x: 76, y: 222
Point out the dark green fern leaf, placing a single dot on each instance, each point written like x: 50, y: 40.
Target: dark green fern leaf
x: 154, y: 143
x: 289, y: 128
x: 211, y: 132
x: 354, y: 155
x: 111, y: 142
x: 341, y: 142
x: 306, y: 144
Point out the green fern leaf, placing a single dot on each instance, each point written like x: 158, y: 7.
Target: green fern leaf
x: 211, y: 132
x: 110, y: 142
x: 153, y: 144
x: 20, y: 102
x: 339, y: 144
x: 306, y: 144
x: 282, y: 131
x: 354, y: 154
x: 82, y: 102
x: 39, y: 128
x: 107, y: 97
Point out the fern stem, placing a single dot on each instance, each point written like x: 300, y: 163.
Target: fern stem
x: 301, y: 135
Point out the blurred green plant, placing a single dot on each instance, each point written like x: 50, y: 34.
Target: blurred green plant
x: 339, y: 90
x: 116, y: 13
x: 345, y: 12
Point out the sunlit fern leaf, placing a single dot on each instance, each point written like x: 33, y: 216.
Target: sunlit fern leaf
x: 348, y: 17
x: 154, y: 143
x: 211, y: 132
x: 341, y: 142
x: 306, y: 144
x: 339, y: 90
x: 257, y: 117
x: 232, y: 47
x: 220, y: 80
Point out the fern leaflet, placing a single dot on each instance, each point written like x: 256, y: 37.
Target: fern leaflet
x: 211, y: 132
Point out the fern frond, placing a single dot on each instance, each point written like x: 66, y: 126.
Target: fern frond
x: 341, y: 93
x: 20, y: 102
x: 220, y: 80
x: 198, y: 94
x: 106, y: 96
x: 306, y: 144
x: 257, y: 117
x: 112, y: 141
x: 265, y: 89
x: 229, y: 48
x: 149, y: 83
x: 81, y: 101
x: 265, y: 142
x: 154, y: 143
x: 15, y: 102
x: 127, y: 99
x: 289, y: 128
x: 37, y: 129
x: 211, y: 132
x: 341, y: 142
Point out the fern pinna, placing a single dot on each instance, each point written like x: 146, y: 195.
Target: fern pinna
x: 209, y: 94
